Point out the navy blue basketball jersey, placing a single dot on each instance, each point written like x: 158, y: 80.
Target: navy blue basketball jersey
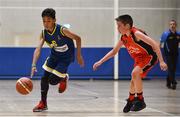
x: 61, y: 46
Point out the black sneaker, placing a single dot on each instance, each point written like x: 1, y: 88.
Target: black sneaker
x: 128, y: 106
x: 138, y: 105
x: 168, y: 86
x: 174, y: 86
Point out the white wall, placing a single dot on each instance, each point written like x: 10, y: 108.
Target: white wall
x: 178, y: 14
x: 151, y: 15
x: 20, y: 20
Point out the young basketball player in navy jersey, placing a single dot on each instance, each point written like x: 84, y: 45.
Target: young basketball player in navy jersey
x: 60, y: 40
x: 145, y: 53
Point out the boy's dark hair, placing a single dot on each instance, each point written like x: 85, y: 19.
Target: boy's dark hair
x: 49, y: 12
x: 173, y: 21
x: 125, y: 19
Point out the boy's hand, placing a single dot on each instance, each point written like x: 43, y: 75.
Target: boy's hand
x: 163, y: 66
x: 33, y: 70
x: 96, y: 65
x: 80, y: 60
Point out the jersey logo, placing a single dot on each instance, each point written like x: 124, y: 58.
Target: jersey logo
x: 132, y: 49
x: 63, y: 48
x: 53, y: 44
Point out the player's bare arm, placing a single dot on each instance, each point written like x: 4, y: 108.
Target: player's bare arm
x: 36, y: 55
x: 78, y: 44
x: 109, y: 55
x: 154, y: 45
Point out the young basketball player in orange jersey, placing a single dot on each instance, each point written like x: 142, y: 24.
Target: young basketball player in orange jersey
x: 145, y: 52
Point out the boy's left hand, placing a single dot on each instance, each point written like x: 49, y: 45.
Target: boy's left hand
x: 163, y: 66
x: 80, y: 60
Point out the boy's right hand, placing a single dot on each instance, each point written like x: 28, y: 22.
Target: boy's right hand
x: 163, y: 66
x: 96, y: 65
x: 33, y: 70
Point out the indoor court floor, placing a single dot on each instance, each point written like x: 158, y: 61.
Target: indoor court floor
x: 90, y: 98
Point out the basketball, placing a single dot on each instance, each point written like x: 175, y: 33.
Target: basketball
x: 24, y: 86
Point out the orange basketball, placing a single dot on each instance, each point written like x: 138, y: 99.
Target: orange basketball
x: 24, y: 85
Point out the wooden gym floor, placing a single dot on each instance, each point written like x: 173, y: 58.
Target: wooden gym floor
x: 90, y: 98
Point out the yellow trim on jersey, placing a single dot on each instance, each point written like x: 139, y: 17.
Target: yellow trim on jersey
x: 53, y: 30
x: 61, y: 75
x: 45, y: 67
x: 48, y: 44
x: 61, y: 31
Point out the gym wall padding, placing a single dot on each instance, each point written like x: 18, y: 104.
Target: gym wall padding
x: 16, y: 62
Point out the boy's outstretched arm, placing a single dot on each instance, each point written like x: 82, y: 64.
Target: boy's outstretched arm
x: 78, y: 44
x: 36, y: 55
x: 108, y: 55
x: 155, y: 47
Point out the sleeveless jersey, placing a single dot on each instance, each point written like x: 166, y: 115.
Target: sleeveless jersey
x: 62, y: 47
x: 136, y: 48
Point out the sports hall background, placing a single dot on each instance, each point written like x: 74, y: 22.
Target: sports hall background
x: 93, y: 20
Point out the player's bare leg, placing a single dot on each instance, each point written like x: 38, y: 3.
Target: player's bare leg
x: 138, y: 84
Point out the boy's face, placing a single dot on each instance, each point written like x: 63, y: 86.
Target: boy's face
x: 48, y: 23
x: 122, y: 28
x: 172, y: 25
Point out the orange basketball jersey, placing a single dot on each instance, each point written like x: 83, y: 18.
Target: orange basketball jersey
x: 134, y: 47
x: 142, y: 53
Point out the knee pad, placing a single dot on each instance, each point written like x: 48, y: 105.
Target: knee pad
x: 53, y: 79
